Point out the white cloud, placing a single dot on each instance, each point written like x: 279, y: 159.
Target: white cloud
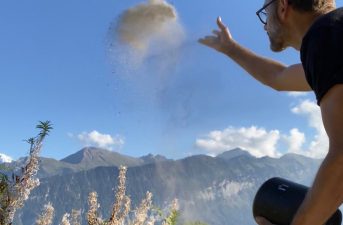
x: 297, y: 94
x: 97, y: 139
x: 261, y: 142
x: 258, y: 141
x: 5, y: 158
x: 295, y: 141
x: 320, y: 144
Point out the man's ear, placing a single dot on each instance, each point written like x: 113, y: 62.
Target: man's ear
x: 283, y: 10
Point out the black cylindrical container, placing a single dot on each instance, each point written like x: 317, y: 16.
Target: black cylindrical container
x: 278, y: 200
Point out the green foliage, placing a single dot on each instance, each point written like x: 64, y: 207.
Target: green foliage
x: 4, y: 200
x: 3, y: 167
x: 4, y: 183
x: 45, y: 127
x: 157, y: 210
x: 172, y: 218
x: 30, y: 141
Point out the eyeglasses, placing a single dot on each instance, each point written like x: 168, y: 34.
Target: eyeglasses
x: 262, y: 14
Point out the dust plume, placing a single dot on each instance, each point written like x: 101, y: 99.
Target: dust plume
x: 147, y: 51
x: 138, y: 24
x: 146, y: 30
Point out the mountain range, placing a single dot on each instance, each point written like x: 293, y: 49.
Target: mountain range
x: 216, y: 190
x: 86, y: 159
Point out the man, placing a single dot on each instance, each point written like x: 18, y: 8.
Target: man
x: 315, y: 28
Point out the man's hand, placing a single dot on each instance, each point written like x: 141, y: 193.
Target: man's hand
x: 263, y: 221
x: 221, y: 40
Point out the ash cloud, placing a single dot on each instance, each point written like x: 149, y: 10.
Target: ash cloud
x: 148, y: 44
x: 146, y: 30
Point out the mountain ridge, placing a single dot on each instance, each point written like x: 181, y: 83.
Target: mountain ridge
x: 85, y: 159
x: 99, y: 156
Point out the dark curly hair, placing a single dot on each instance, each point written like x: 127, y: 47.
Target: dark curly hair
x: 313, y: 5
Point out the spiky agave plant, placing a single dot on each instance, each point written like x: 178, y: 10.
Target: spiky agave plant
x: 14, y: 192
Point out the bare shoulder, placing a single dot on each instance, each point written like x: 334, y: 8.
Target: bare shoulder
x: 292, y: 78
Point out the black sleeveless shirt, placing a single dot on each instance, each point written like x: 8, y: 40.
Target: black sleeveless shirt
x: 322, y: 53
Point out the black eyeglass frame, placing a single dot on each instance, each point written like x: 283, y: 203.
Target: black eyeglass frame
x: 261, y: 11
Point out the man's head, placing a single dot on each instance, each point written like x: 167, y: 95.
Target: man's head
x: 287, y: 19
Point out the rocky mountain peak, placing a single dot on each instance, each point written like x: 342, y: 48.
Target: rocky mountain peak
x: 237, y: 152
x: 150, y: 158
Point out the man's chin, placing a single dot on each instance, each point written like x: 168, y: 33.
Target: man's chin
x: 276, y: 47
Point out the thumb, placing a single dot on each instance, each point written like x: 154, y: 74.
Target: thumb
x: 221, y: 24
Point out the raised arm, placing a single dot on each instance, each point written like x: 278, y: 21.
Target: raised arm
x: 269, y: 72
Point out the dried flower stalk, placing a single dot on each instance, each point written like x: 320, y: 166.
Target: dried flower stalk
x: 47, y: 215
x: 65, y: 219
x: 125, y: 212
x: 151, y: 221
x: 143, y: 209
x: 76, y: 217
x: 119, y: 197
x: 92, y: 214
x: 122, y: 206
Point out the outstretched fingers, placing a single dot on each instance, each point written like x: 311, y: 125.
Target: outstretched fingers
x: 208, y: 40
x: 219, y: 39
x: 220, y: 24
x: 216, y: 32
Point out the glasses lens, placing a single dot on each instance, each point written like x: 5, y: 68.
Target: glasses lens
x: 263, y: 16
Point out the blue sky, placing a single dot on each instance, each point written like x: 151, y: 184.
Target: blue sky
x: 55, y: 66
